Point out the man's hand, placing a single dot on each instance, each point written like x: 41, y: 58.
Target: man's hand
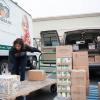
x: 17, y: 54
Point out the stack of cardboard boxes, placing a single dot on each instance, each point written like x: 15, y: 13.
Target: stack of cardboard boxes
x: 80, y: 61
x: 64, y: 66
x: 78, y: 88
x: 78, y: 75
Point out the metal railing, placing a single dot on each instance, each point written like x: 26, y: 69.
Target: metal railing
x: 44, y: 63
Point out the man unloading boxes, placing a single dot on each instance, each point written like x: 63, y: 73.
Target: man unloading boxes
x: 18, y: 57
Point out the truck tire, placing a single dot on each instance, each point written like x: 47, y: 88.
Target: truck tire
x: 53, y: 88
x: 3, y: 66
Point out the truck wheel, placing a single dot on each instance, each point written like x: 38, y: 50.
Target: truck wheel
x: 3, y: 66
x: 53, y: 88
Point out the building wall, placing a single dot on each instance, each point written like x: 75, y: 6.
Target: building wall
x: 63, y: 25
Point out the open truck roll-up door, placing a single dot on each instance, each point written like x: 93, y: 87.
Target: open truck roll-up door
x: 86, y: 36
x: 49, y: 41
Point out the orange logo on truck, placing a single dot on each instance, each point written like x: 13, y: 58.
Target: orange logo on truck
x: 4, y: 9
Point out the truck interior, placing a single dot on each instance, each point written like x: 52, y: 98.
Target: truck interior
x: 83, y: 38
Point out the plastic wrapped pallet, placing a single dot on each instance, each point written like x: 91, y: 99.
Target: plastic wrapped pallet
x: 9, y: 84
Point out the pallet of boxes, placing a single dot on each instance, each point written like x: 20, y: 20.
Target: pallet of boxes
x: 72, y: 73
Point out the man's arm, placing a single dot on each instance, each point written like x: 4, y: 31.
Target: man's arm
x: 31, y: 49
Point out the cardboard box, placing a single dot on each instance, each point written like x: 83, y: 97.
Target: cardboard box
x: 64, y: 62
x: 49, y: 54
x: 78, y: 77
x: 63, y: 51
x: 99, y: 89
x: 97, y: 59
x: 9, y: 84
x: 36, y: 75
x: 85, y: 81
x: 78, y: 92
x: 91, y: 59
x: 80, y: 59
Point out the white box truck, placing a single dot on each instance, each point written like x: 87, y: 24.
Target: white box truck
x: 15, y: 22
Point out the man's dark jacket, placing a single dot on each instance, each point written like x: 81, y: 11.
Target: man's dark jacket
x: 14, y: 53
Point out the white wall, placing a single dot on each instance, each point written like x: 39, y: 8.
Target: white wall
x: 66, y: 24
